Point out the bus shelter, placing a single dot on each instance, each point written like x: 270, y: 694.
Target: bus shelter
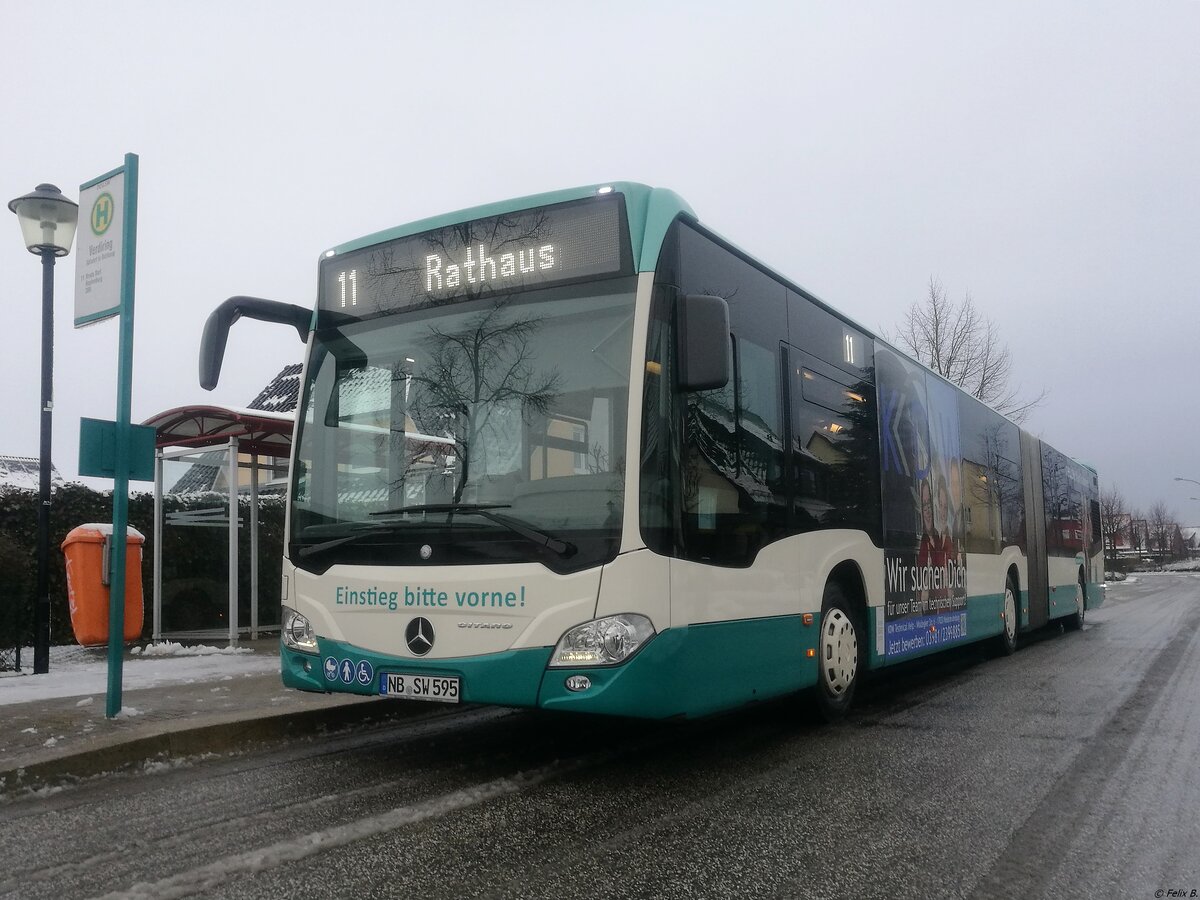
x: 212, y: 465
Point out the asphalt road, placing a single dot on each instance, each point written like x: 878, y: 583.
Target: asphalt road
x: 1069, y: 769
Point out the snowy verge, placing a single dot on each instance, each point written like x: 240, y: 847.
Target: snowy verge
x: 78, y: 673
x: 170, y: 648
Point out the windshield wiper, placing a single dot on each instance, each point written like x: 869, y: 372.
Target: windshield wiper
x: 561, y: 547
x: 440, y: 507
x: 360, y: 532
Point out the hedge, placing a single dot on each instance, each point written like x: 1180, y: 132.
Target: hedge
x: 195, y: 559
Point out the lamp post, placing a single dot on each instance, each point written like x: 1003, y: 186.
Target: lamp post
x: 48, y: 222
x: 1197, y: 483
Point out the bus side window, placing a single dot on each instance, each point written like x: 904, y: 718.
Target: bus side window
x: 834, y: 455
x: 759, y: 429
x: 732, y: 490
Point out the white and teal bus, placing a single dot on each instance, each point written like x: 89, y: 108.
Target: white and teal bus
x: 578, y: 452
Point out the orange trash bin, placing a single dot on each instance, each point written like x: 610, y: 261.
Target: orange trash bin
x: 87, y: 591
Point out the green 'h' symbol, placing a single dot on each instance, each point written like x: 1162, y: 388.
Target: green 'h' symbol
x: 102, y: 213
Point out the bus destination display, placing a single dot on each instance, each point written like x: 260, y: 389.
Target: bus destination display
x: 498, y: 255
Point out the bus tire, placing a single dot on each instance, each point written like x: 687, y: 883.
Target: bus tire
x: 839, y: 654
x: 1006, y: 642
x: 1074, y: 622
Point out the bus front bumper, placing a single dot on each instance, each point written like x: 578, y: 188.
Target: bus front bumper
x: 690, y: 671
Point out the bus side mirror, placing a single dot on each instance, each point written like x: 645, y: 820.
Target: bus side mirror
x: 216, y: 329
x: 702, y: 343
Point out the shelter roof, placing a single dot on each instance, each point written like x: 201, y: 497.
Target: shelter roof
x: 258, y: 431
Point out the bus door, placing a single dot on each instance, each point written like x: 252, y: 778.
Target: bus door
x: 1035, y: 531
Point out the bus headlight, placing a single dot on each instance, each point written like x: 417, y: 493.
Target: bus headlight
x: 602, y: 642
x: 297, y: 632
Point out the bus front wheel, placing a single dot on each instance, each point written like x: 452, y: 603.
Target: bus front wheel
x: 839, y: 653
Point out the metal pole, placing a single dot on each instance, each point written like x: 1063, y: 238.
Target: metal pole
x: 116, y: 590
x: 159, y: 512
x: 41, y: 615
x: 233, y: 542
x: 254, y: 546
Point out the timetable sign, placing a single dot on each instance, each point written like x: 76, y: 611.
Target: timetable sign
x: 98, y: 258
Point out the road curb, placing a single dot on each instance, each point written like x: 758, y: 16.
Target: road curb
x: 214, y: 737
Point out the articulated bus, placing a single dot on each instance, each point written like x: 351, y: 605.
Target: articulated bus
x: 577, y: 451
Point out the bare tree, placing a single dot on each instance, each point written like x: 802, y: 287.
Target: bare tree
x: 1112, y: 517
x: 1162, y: 525
x: 1137, y: 530
x: 964, y: 347
x: 477, y: 372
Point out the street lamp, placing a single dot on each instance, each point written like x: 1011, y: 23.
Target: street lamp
x: 1191, y: 480
x: 48, y: 226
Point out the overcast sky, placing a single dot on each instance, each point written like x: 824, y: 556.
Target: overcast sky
x: 1043, y: 156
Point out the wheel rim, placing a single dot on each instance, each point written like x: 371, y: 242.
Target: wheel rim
x: 1079, y: 606
x: 839, y: 652
x: 1010, y: 614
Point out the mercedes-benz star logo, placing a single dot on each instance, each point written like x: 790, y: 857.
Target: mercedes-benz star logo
x: 426, y: 551
x: 419, y: 636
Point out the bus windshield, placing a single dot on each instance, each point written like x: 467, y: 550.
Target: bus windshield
x: 514, y: 402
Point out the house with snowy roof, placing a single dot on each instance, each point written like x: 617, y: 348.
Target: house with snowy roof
x: 1191, y: 539
x: 283, y: 393
x: 275, y: 406
x: 24, y: 473
x: 208, y: 470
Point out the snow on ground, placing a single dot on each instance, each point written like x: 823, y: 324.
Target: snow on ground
x: 83, y: 671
